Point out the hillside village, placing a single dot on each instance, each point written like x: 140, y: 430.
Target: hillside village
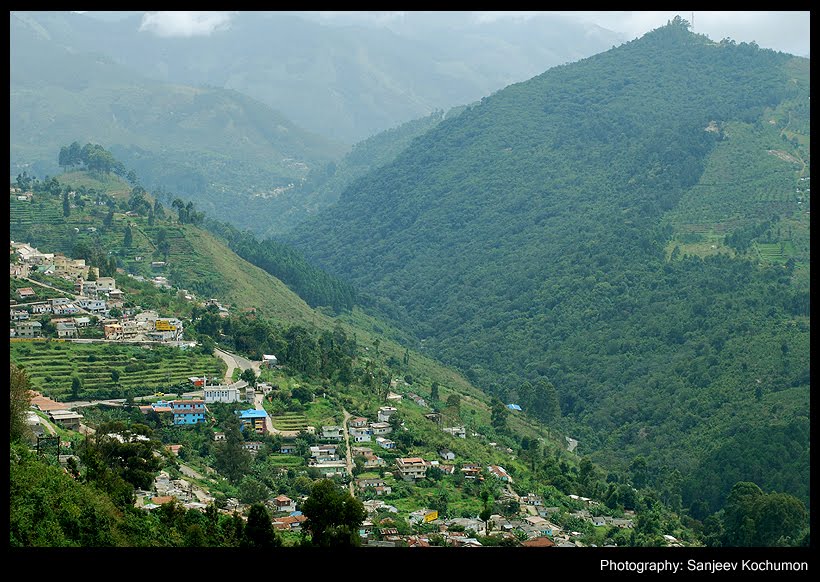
x: 92, y: 304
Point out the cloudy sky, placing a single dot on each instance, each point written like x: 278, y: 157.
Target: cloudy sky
x: 786, y: 31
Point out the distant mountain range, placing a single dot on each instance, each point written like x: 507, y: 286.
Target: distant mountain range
x: 218, y: 119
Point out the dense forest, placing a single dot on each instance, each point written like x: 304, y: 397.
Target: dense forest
x: 526, y: 239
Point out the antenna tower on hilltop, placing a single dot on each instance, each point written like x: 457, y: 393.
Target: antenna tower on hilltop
x: 693, y: 22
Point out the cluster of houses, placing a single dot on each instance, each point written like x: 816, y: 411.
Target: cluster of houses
x: 361, y: 430
x: 93, y: 298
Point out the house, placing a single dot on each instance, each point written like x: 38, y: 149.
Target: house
x: 393, y: 396
x: 19, y: 315
x: 106, y: 284
x: 188, y: 411
x: 541, y: 525
x: 471, y: 470
x: 92, y: 305
x: 456, y: 431
x: 29, y: 329
x: 67, y: 419
x: 284, y: 503
x: 333, y: 433
x: 254, y: 419
x: 500, y: 472
x: 385, y: 412
x: 66, y: 330
x: 447, y: 454
x: 380, y: 428
x: 411, y: 468
x: 361, y: 435
x: 385, y: 443
x: 374, y: 461
x: 252, y: 446
x: 26, y: 293
x: 369, y: 483
x: 514, y: 407
x: 532, y: 499
x: 220, y: 393
x: 112, y: 331
x: 329, y: 468
x: 269, y: 360
x: 289, y: 522
x: 539, y: 542
x: 358, y: 422
x: 82, y: 322
x: 219, y: 436
x: 417, y: 399
x: 324, y: 453
x: 288, y: 449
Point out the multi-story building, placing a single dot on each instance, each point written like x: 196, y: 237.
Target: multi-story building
x: 188, y: 411
x: 411, y: 468
x: 254, y: 419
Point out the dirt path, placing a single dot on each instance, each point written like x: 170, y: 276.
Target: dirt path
x: 349, y: 453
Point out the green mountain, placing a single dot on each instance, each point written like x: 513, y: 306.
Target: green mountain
x: 632, y: 227
x: 229, y: 153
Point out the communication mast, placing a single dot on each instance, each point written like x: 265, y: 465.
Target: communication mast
x: 693, y: 22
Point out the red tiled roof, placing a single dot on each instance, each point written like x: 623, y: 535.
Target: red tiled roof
x: 45, y: 404
x: 539, y: 542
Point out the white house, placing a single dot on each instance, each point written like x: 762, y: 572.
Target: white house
x: 380, y: 428
x: 447, y: 454
x: 333, y: 433
x: 385, y: 412
x: 385, y: 443
x: 221, y: 393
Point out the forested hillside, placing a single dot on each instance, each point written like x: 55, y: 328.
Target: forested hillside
x: 595, y: 227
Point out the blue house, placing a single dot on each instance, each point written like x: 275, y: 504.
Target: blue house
x: 188, y: 411
x: 253, y: 418
x: 513, y: 407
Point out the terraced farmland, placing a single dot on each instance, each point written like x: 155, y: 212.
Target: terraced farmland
x: 51, y: 366
x: 290, y: 421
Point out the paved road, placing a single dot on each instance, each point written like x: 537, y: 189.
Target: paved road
x: 236, y: 361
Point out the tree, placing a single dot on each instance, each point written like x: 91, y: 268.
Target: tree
x: 498, y: 415
x: 128, y: 239
x: 545, y: 404
x: 252, y: 490
x: 76, y: 386
x: 20, y: 399
x: 230, y: 457
x: 333, y: 516
x: 434, y: 392
x: 62, y: 159
x: 258, y: 532
x: 66, y: 205
x: 249, y: 376
x: 639, y: 472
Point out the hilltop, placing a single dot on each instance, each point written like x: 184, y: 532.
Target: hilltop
x: 632, y: 227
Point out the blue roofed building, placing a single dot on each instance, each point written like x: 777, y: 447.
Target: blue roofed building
x: 513, y: 407
x: 255, y: 419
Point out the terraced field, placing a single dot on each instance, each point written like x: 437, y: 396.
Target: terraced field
x: 51, y: 366
x: 290, y: 421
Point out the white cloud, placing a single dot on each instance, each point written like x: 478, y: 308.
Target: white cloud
x: 185, y: 23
